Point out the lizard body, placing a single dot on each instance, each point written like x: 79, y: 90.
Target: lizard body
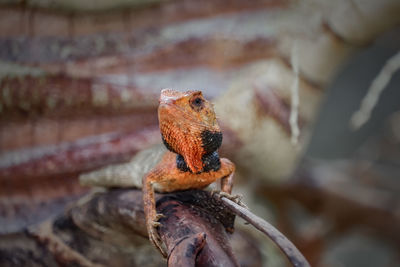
x: 190, y: 132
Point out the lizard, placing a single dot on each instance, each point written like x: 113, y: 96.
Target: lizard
x: 188, y: 158
x: 190, y: 131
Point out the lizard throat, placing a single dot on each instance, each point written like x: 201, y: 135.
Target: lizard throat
x: 211, y: 162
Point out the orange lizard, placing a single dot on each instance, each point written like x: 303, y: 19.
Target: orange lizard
x: 190, y: 131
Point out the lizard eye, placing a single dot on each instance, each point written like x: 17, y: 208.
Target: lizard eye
x: 197, y: 103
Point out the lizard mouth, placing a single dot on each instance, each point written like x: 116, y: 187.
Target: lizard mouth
x: 166, y: 101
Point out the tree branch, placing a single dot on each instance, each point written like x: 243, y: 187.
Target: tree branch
x: 285, y: 245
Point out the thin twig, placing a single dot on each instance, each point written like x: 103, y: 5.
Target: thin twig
x: 361, y: 116
x: 287, y: 247
x: 294, y: 89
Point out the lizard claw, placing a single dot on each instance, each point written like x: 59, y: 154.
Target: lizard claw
x: 159, y: 216
x: 155, y: 224
x: 235, y: 198
x: 154, y: 236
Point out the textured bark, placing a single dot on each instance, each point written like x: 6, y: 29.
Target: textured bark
x: 59, y: 96
x: 45, y: 21
x: 36, y: 183
x: 107, y: 229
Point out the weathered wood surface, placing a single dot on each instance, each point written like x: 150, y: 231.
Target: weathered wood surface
x: 108, y: 229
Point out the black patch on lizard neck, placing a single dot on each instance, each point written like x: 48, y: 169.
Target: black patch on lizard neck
x: 211, y: 141
x: 211, y: 162
x: 181, y: 164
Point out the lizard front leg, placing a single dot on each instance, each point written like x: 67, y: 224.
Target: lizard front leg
x: 150, y: 211
x: 228, y: 169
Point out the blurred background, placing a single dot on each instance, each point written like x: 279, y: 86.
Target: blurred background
x: 306, y: 92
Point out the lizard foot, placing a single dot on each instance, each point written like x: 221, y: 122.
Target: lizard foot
x: 154, y: 236
x: 235, y: 198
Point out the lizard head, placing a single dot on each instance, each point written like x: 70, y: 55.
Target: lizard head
x: 188, y: 126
